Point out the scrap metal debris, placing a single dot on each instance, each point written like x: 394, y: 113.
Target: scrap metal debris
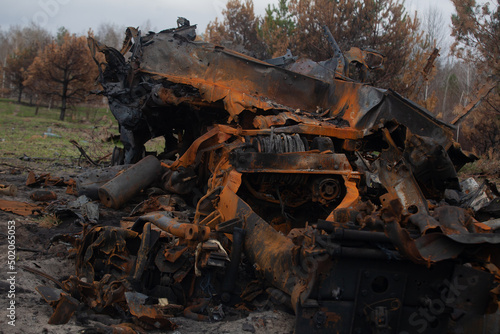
x: 8, y: 190
x: 124, y: 186
x: 44, y: 179
x: 88, y: 183
x: 43, y: 195
x: 18, y: 207
x: 335, y: 199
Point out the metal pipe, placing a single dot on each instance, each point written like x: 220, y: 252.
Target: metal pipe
x: 339, y: 233
x: 170, y: 225
x: 191, y: 311
x: 367, y: 253
x: 338, y: 251
x: 126, y: 185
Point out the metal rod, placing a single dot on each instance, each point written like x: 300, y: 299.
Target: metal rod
x: 339, y: 233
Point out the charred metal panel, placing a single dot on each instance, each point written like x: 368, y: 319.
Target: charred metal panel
x: 171, y: 70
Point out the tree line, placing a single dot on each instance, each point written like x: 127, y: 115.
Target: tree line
x: 37, y: 66
x: 50, y: 69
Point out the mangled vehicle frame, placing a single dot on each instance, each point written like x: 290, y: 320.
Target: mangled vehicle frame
x: 342, y: 199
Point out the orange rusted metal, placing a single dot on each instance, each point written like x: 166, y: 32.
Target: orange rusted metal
x: 190, y: 311
x: 150, y: 314
x: 43, y: 195
x: 19, y: 208
x: 186, y: 231
x: 33, y: 180
x: 64, y: 305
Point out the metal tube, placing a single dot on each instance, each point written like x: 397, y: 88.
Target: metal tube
x: 346, y: 234
x: 170, y: 225
x: 126, y: 185
x: 367, y: 253
x: 190, y: 311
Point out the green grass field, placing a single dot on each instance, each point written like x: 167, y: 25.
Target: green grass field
x: 23, y: 133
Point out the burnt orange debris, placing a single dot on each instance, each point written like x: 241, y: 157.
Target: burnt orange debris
x: 64, y: 305
x: 71, y: 187
x: 43, y: 196
x: 44, y: 179
x: 19, y: 208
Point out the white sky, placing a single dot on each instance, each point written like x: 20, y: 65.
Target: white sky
x: 78, y: 16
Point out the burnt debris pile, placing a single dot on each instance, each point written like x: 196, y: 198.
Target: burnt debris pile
x: 329, y: 197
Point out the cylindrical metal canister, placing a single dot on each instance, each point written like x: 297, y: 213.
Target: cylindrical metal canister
x: 126, y: 185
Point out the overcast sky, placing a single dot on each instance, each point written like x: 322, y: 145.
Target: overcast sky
x: 78, y: 16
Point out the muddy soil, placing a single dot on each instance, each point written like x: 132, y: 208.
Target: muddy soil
x: 34, y: 249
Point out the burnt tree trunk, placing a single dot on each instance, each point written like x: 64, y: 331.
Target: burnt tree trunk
x: 64, y: 97
x: 19, y: 96
x: 63, y: 108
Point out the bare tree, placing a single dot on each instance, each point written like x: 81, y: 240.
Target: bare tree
x: 110, y: 34
x: 4, y: 52
x: 432, y: 24
x: 146, y: 26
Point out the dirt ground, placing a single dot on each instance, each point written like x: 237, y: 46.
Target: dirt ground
x: 34, y: 250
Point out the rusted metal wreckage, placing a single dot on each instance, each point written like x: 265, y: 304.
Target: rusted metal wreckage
x: 342, y: 198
